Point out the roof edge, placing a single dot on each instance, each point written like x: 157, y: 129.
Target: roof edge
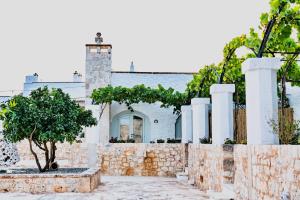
x: 129, y: 72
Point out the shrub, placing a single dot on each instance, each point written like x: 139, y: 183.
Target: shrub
x: 115, y: 140
x: 160, y: 141
x: 287, y: 131
x: 173, y: 140
x: 130, y: 141
x: 205, y: 140
x: 229, y: 141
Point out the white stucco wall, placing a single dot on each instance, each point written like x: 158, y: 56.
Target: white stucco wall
x: 165, y: 128
x: 177, y: 81
x: 75, y: 89
x: 293, y: 93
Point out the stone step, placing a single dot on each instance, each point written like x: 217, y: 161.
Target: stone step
x: 226, y: 194
x: 182, y: 176
x: 186, y: 170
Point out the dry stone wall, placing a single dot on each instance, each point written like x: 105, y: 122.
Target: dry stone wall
x: 85, y: 181
x: 67, y: 155
x: 142, y: 159
x: 267, y: 171
x: 257, y: 171
x: 210, y: 166
x: 8, y: 153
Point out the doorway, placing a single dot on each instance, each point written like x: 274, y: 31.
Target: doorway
x: 131, y: 126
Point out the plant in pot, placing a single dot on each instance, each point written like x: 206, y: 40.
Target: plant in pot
x: 130, y: 140
x: 205, y: 140
x: 160, y: 141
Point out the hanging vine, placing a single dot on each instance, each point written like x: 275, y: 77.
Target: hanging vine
x: 141, y: 94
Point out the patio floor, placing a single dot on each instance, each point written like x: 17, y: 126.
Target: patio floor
x: 124, y: 188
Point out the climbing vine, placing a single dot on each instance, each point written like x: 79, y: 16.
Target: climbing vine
x: 278, y: 35
x: 140, y: 94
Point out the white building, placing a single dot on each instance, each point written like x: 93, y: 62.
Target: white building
x: 74, y: 88
x: 147, y: 123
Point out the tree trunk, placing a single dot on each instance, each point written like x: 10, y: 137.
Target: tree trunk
x: 33, y: 153
x: 53, y: 148
x: 47, y: 160
x: 52, y: 155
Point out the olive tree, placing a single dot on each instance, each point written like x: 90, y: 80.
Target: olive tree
x: 44, y: 118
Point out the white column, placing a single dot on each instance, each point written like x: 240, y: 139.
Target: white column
x: 186, y: 124
x: 222, y: 112
x: 200, y: 118
x: 261, y: 99
x: 92, y: 136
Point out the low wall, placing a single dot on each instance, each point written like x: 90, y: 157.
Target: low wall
x: 142, y: 159
x: 67, y: 155
x: 86, y: 181
x: 210, y: 166
x: 257, y: 171
x: 267, y: 171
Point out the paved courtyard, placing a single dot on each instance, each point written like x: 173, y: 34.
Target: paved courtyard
x: 124, y: 188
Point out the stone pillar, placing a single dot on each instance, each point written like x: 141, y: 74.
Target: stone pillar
x: 186, y: 124
x: 222, y: 112
x: 200, y: 118
x: 98, y: 74
x: 261, y: 99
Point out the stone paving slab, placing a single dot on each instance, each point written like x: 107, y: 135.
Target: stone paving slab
x: 124, y: 188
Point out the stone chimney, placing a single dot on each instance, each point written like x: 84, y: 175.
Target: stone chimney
x: 31, y: 78
x: 77, y: 77
x: 131, y: 67
x: 97, y: 66
x: 97, y: 74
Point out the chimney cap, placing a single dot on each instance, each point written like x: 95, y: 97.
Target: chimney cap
x: 98, y: 38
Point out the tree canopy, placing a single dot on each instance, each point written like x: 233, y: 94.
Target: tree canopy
x: 44, y: 118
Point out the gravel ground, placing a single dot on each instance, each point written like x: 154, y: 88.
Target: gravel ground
x: 124, y: 188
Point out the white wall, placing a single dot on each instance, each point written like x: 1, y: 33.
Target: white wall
x: 75, y: 89
x: 293, y: 93
x: 165, y: 128
x: 176, y: 81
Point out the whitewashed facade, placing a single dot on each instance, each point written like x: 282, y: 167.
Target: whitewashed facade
x: 158, y: 123
x: 148, y: 122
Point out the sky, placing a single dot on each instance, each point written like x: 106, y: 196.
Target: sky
x: 49, y: 37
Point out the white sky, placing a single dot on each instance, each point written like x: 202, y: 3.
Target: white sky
x: 49, y: 37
